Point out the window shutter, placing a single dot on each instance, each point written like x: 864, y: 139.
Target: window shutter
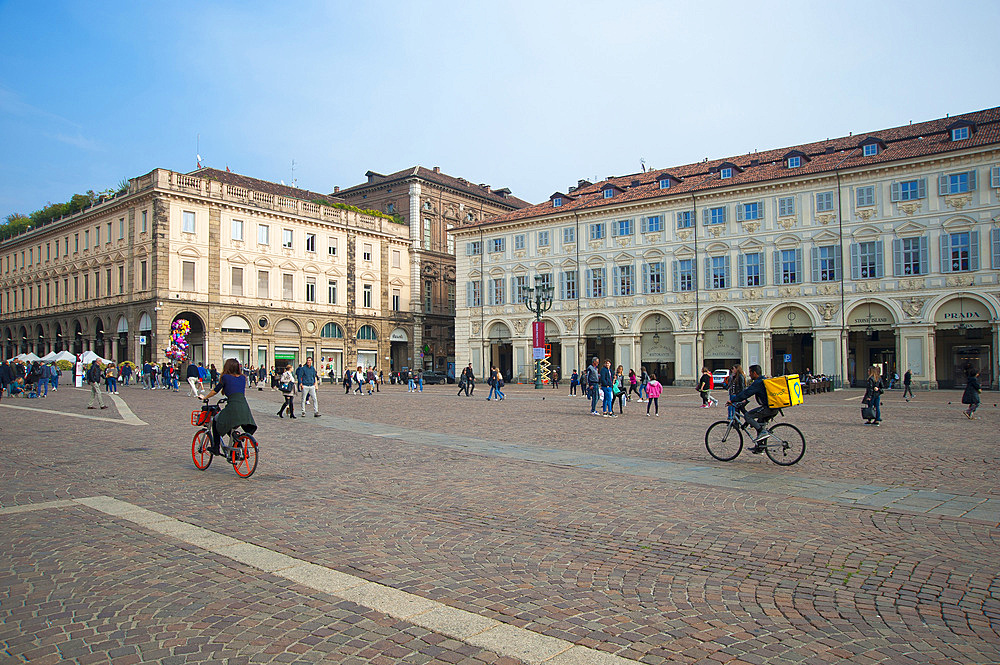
x: 777, y: 266
x: 677, y: 277
x: 837, y: 262
x: 760, y: 209
x: 763, y: 272
x: 740, y: 214
x: 643, y: 224
x: 741, y: 268
x: 562, y: 286
x: 879, y: 268
x: 616, y: 274
x: 972, y: 179
x: 728, y: 271
x: 922, y: 188
x: 995, y: 245
x: 589, y: 282
x: 945, y: 254
x: 725, y: 214
x: 815, y: 264
x: 995, y: 178
x: 894, y: 191
x: 798, y: 266
x: 942, y: 185
x: 645, y: 278
x: 614, y: 229
x: 973, y: 247
x: 925, y: 256
x: 897, y: 257
x: 855, y: 261
x: 468, y: 294
x: 704, y: 216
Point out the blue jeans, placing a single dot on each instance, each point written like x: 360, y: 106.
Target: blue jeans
x: 43, y: 383
x: 412, y: 385
x: 493, y: 392
x: 112, y: 384
x: 609, y: 397
x: 593, y: 398
x: 877, y: 405
x: 732, y: 412
x: 55, y: 382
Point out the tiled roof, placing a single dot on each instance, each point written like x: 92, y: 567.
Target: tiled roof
x: 906, y: 142
x: 257, y: 185
x: 460, y: 184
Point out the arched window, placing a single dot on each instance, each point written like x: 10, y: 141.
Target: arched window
x: 367, y: 332
x: 332, y: 330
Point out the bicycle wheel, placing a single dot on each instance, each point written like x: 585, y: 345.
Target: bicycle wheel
x: 723, y: 441
x: 199, y: 449
x: 245, y: 455
x: 786, y: 446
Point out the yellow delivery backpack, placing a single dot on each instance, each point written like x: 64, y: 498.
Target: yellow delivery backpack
x: 783, y: 391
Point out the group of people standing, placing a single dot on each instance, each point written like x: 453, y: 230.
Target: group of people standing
x: 19, y: 378
x: 362, y: 380
x: 603, y: 385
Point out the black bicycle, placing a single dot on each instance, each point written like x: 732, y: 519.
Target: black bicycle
x: 724, y: 439
x: 241, y: 451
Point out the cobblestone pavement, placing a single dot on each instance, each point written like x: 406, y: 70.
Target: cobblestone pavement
x: 592, y: 535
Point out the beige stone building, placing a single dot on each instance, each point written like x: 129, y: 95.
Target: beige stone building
x: 432, y: 203
x: 264, y: 273
x: 879, y: 248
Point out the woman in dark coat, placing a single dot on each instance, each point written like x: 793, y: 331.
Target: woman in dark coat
x: 236, y: 413
x: 873, y: 395
x: 971, y: 395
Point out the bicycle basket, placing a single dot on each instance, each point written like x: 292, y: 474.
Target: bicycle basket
x: 200, y: 417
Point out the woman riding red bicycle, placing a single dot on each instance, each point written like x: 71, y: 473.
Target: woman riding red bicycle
x: 232, y: 384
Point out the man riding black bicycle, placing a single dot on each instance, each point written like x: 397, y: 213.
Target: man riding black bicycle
x: 759, y: 417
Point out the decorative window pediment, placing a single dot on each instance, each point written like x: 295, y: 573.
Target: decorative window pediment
x: 788, y: 241
x: 910, y: 229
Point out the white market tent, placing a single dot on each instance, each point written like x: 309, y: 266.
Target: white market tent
x: 62, y: 355
x: 90, y: 356
x: 28, y: 357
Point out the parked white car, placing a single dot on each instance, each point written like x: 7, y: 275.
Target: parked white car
x: 721, y: 378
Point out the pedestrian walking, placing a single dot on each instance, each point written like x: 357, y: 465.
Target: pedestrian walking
x: 633, y: 385
x: 286, y: 384
x: 907, y: 388
x: 359, y: 379
x: 308, y: 384
x: 873, y: 395
x: 971, y: 396
x: 348, y: 378
x: 411, y: 384
x: 653, y: 390
x: 6, y: 378
x: 94, y: 377
x: 705, y: 385
x: 193, y: 380
x: 643, y: 384
x: 111, y: 373
x: 593, y: 378
x: 737, y: 383
x: 420, y: 379
x: 618, y: 389
x: 574, y: 381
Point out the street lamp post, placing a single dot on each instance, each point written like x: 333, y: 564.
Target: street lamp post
x: 538, y: 299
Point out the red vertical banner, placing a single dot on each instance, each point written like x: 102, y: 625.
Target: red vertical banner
x: 538, y: 334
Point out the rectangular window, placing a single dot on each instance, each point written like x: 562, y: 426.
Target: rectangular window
x: 451, y: 298
x: 623, y: 227
x: 957, y: 183
x: 366, y: 296
x: 142, y: 274
x: 597, y: 230
x: 144, y: 217
x: 427, y: 234
x: 684, y: 220
x: 751, y: 270
x: 263, y: 284
x: 826, y: 263
x: 568, y: 285
x: 263, y: 234
x: 910, y: 256
x: 474, y: 248
x: 569, y: 235
x: 726, y: 173
x: 908, y: 190
x: 543, y: 238
x: 47, y: 251
x: 824, y: 201
x: 960, y: 251
x: 97, y: 236
x: 715, y: 215
x: 864, y: 196
x: 596, y: 282
x: 108, y: 234
x: 544, y: 280
x: 76, y: 244
x: 310, y: 289
x: 556, y: 201
x: 496, y: 291
x: 237, y: 230
x: 107, y: 281
x: 519, y: 241
x: 994, y: 179
x: 237, y: 282
x: 684, y: 275
x: 395, y: 258
x: 187, y: 222
x: 520, y: 291
x: 652, y: 224
x: 187, y: 276
x: 794, y: 162
x: 331, y: 291
x: 609, y: 193
x: 871, y: 149
x: 473, y: 294
x: 76, y: 290
x: 450, y: 239
x: 287, y: 286
x: 866, y: 260
x: 331, y: 246
x: 86, y: 243
x: 624, y: 280
x: 121, y: 228
x: 497, y: 245
x: 995, y: 248
x: 748, y: 211
x: 121, y: 282
x: 310, y: 242
x: 428, y: 296
x: 718, y: 272
x: 652, y: 278
x: 786, y: 206
x: 395, y: 299
x: 789, y: 266
x: 366, y: 252
x: 287, y: 238
x: 959, y: 133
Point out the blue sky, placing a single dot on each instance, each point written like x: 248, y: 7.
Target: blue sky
x: 528, y: 95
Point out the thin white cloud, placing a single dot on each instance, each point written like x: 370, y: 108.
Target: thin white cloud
x: 78, y: 141
x: 11, y: 103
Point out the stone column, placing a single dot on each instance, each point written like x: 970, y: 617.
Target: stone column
x: 686, y: 366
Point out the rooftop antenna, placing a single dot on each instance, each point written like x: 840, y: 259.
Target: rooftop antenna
x: 642, y: 163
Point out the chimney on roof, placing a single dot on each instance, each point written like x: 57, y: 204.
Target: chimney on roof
x: 336, y: 188
x: 437, y: 169
x: 484, y: 186
x: 583, y: 183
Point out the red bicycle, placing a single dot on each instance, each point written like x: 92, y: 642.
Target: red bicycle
x: 241, y: 451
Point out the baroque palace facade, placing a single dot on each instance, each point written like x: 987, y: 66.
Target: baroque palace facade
x: 880, y: 249
x: 432, y: 203
x: 262, y: 272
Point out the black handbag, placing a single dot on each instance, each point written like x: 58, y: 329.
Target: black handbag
x: 868, y: 412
